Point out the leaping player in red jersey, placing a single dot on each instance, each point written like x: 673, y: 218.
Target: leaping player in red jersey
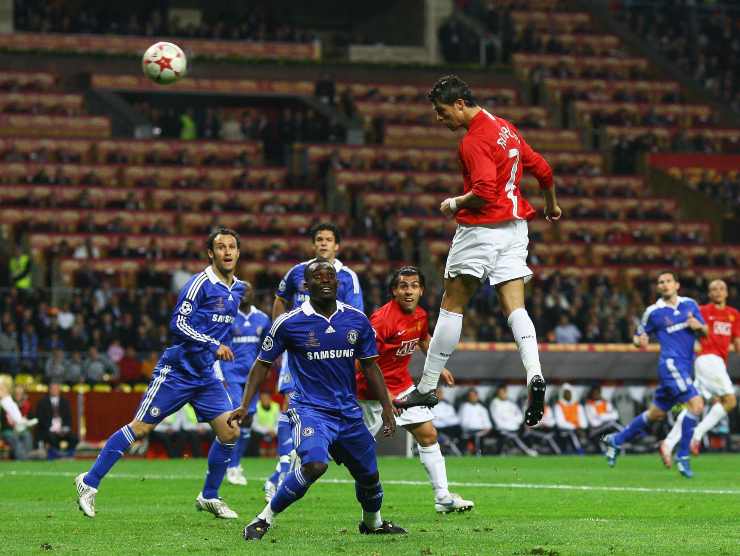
x: 710, y: 368
x: 400, y: 327
x: 491, y: 238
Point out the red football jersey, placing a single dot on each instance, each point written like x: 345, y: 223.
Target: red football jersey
x: 397, y: 335
x: 492, y: 156
x: 724, y: 325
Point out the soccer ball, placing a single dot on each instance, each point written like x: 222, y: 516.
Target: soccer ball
x: 164, y: 63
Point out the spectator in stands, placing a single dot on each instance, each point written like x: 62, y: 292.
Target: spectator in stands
x: 188, y: 128
x: 55, y: 369
x: 570, y: 419
x: 325, y: 89
x: 14, y: 425
x: 474, y: 420
x: 20, y: 266
x: 74, y: 372
x: 55, y: 423
x: 264, y: 426
x: 9, y: 350
x: 130, y: 367
x: 509, y: 420
x: 98, y: 368
x: 447, y: 424
x: 601, y: 415
x: 566, y: 332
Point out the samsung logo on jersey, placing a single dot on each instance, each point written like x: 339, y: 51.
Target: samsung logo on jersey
x: 677, y: 327
x: 246, y: 339
x: 228, y: 319
x: 329, y: 354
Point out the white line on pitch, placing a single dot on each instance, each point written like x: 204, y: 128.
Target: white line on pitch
x: 530, y: 486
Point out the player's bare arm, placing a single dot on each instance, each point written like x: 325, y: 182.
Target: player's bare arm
x: 552, y: 209
x: 379, y: 391
x: 279, y: 306
x: 452, y: 204
x: 256, y: 378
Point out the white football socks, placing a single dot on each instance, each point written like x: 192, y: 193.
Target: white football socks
x: 434, y: 462
x: 372, y: 519
x: 267, y: 514
x: 714, y: 416
x: 444, y: 341
x: 525, y: 337
x: 675, y: 435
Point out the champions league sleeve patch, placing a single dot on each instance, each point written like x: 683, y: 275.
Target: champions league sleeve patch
x: 267, y: 344
x: 186, y: 308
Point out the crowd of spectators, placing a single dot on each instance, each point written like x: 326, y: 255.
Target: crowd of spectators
x: 255, y: 22
x: 103, y: 334
x: 699, y: 38
x: 492, y: 422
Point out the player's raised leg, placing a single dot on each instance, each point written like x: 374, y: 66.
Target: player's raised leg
x: 636, y: 428
x: 669, y: 442
x: 433, y: 461
x: 446, y: 336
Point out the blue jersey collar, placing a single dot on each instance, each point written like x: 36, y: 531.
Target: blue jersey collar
x: 216, y: 280
x: 308, y: 310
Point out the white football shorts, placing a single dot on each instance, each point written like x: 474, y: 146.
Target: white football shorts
x: 711, y: 377
x: 494, y: 251
x: 372, y: 414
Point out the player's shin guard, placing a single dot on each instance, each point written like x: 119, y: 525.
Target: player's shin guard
x: 687, y: 432
x: 218, y: 460
x: 715, y: 415
x: 241, y: 444
x: 117, y: 445
x: 444, y: 341
x: 638, y: 426
x: 525, y: 337
x: 292, y: 488
x: 434, y: 462
x: 370, y: 496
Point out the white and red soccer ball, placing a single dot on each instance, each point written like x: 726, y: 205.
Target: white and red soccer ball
x: 164, y: 63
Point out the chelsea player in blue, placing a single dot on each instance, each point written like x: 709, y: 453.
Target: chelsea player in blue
x: 200, y: 326
x: 325, y: 337
x: 675, y: 321
x: 291, y: 294
x: 249, y: 329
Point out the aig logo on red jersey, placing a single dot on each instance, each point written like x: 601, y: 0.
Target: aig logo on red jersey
x: 407, y: 347
x: 722, y: 328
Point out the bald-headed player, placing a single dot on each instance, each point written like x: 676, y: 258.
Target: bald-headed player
x: 710, y: 368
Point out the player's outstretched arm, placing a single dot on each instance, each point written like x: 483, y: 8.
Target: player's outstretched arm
x: 379, y: 391
x: 279, y: 306
x: 256, y: 378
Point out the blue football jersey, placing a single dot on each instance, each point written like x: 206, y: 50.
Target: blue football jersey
x: 204, y: 314
x: 324, y: 351
x: 668, y: 324
x: 292, y: 287
x: 247, y: 334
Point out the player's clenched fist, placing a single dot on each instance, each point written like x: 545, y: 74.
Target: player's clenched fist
x: 389, y: 423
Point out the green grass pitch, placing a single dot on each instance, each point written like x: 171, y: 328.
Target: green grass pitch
x: 546, y: 505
